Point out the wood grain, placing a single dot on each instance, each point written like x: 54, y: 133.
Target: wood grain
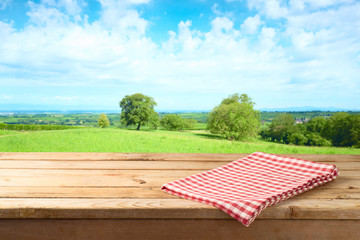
x: 144, y: 192
x: 133, y: 165
x: 108, y: 165
x: 169, y: 208
x: 76, y: 156
x: 117, y: 196
x: 126, y: 185
x: 89, y: 229
x: 110, y: 178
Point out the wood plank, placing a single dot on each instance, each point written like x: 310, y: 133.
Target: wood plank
x: 86, y: 192
x: 81, y: 181
x: 105, y: 178
x: 162, y: 156
x: 108, y: 180
x: 95, y: 172
x: 169, y: 208
x: 330, y: 194
x: 88, y: 229
x: 124, y: 165
x: 341, y: 183
x: 118, y: 156
x: 144, y: 192
x: 133, y: 165
x: 165, y: 173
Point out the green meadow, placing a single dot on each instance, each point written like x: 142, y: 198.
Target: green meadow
x: 126, y: 140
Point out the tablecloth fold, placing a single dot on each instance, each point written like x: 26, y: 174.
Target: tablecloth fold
x: 245, y: 187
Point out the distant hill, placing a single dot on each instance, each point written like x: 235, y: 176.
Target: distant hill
x: 26, y: 108
x: 305, y: 109
x: 56, y: 108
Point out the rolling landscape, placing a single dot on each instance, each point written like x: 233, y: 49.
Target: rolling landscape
x: 179, y: 76
x: 82, y: 134
x: 191, y: 119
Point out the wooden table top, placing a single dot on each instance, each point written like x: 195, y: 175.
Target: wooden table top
x: 127, y: 186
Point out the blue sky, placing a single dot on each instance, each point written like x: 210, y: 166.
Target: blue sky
x: 186, y: 54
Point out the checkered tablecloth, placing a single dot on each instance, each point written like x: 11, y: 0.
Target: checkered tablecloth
x: 245, y: 187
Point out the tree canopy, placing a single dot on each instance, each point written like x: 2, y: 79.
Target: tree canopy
x: 175, y: 122
x: 343, y: 129
x: 280, y: 126
x: 103, y: 121
x: 235, y: 118
x: 137, y: 109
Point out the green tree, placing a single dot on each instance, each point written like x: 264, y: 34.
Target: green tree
x: 314, y: 139
x: 189, y: 123
x: 136, y: 109
x: 343, y: 129
x: 297, y: 138
x: 316, y: 124
x: 172, y: 122
x: 176, y: 122
x: 154, y: 121
x: 103, y: 121
x: 235, y: 118
x: 281, y: 126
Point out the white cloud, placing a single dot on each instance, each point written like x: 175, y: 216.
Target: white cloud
x: 267, y: 38
x: 314, y: 4
x: 270, y: 8
x: 55, y: 48
x: 297, y: 5
x: 4, y: 4
x: 302, y: 39
x: 118, y: 17
x: 251, y: 24
x: 217, y: 11
x: 222, y: 25
x: 138, y: 1
x: 187, y: 38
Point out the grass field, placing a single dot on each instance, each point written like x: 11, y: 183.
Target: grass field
x: 124, y: 140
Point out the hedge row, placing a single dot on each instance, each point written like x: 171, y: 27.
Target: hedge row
x: 32, y: 127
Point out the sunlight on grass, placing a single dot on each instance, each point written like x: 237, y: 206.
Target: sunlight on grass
x: 122, y: 140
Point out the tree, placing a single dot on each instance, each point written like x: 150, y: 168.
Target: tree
x: 343, y: 129
x: 314, y: 139
x: 136, y: 109
x: 103, y: 121
x: 316, y: 125
x: 154, y: 121
x: 171, y: 122
x: 297, y: 138
x: 281, y: 126
x: 189, y: 123
x: 234, y: 118
x: 175, y: 122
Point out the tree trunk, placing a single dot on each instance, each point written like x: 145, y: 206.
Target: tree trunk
x: 138, y: 127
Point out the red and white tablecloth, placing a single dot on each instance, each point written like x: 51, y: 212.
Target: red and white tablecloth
x: 245, y: 187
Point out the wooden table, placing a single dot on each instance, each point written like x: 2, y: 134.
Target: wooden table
x: 117, y: 196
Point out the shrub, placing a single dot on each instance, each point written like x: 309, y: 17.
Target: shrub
x: 172, y: 122
x: 314, y: 139
x: 316, y: 124
x: 189, y: 123
x: 33, y: 127
x: 297, y: 139
x: 175, y: 122
x: 154, y: 121
x: 103, y: 121
x: 343, y: 129
x: 281, y: 127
